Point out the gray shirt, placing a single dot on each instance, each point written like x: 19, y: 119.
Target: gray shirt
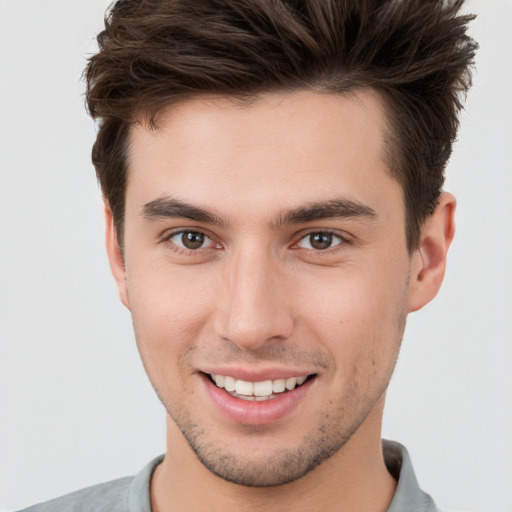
x: 131, y: 494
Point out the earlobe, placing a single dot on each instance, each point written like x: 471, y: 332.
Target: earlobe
x: 115, y: 256
x: 429, y: 259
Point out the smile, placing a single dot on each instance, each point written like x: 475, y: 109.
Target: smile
x: 258, y: 401
x: 257, y: 391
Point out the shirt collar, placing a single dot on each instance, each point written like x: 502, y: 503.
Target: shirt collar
x: 408, y: 496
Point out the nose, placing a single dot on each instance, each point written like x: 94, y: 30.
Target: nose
x: 254, y: 307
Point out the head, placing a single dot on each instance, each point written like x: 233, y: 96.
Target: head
x: 415, y: 54
x: 272, y: 173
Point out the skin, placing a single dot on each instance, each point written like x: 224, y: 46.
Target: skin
x: 257, y: 296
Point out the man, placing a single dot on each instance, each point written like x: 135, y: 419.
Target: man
x: 272, y: 174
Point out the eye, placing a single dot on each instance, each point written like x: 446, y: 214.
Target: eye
x: 320, y: 241
x: 190, y: 240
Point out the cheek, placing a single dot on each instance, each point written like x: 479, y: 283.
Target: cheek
x: 354, y: 296
x: 359, y: 316
x: 169, y: 309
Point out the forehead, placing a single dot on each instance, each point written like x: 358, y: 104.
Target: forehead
x: 279, y: 149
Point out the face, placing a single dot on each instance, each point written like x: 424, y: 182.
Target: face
x: 267, y: 272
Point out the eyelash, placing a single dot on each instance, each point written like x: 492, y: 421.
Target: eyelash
x: 342, y: 241
x: 184, y: 250
x: 332, y: 235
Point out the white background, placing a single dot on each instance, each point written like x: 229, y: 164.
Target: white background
x: 75, y: 405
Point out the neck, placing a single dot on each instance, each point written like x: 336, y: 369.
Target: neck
x: 354, y: 479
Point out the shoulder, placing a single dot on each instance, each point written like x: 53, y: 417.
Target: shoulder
x: 128, y: 494
x: 106, y: 497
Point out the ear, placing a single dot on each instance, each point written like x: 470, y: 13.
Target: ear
x: 115, y: 256
x: 429, y: 259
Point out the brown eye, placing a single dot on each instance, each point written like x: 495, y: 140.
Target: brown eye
x: 191, y: 240
x: 320, y: 241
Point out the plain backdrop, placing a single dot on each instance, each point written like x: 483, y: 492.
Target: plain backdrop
x: 75, y: 405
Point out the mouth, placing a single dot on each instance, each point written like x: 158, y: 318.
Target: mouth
x: 258, y: 391
x: 263, y: 401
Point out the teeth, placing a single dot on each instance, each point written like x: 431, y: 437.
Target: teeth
x: 243, y: 387
x: 279, y: 385
x: 291, y: 383
x: 257, y: 389
x: 229, y: 384
x: 263, y: 388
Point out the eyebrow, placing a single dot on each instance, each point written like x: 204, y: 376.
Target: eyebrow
x: 334, y: 208
x: 168, y: 207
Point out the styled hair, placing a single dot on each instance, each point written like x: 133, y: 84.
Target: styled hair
x: 415, y: 53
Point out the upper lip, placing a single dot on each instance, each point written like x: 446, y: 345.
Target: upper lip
x: 255, y: 374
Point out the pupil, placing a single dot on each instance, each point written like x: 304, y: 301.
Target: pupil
x: 321, y: 241
x: 192, y: 239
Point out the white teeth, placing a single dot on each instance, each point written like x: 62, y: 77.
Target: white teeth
x: 263, y: 388
x: 278, y: 385
x: 291, y: 383
x: 243, y: 387
x: 260, y: 389
x: 229, y: 383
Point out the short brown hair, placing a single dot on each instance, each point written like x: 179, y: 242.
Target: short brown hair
x: 415, y: 53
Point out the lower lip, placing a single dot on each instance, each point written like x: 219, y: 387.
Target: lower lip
x: 248, y: 412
